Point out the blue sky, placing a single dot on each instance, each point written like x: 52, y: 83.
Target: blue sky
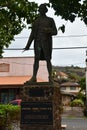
x: 60, y: 57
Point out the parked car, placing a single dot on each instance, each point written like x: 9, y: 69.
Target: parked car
x: 16, y: 102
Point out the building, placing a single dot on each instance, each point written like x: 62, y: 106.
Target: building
x: 62, y: 75
x: 69, y: 91
x: 71, y: 87
x: 14, y: 71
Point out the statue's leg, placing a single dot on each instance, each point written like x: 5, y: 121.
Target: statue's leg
x: 35, y: 69
x: 49, y: 67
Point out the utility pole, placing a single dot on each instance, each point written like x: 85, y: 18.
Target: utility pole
x: 85, y: 109
x: 86, y: 84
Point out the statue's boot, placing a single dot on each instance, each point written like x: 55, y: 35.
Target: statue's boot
x: 50, y: 79
x: 33, y: 79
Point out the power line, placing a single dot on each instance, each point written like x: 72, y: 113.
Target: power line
x: 72, y: 36
x: 70, y: 48
x: 83, y: 47
x: 57, y: 36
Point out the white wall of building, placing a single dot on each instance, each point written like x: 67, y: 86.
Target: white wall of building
x: 23, y: 66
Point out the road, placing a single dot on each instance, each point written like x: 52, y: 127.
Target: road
x: 74, y: 123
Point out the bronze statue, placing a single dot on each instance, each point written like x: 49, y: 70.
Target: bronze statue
x: 42, y: 31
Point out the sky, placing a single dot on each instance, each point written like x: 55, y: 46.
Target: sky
x: 75, y: 36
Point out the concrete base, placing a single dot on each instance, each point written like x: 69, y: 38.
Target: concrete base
x: 37, y: 94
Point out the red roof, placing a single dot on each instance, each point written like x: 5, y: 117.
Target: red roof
x: 62, y: 74
x: 15, y: 80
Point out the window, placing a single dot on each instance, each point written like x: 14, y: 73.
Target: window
x: 72, y: 88
x: 63, y: 88
x: 4, y: 67
x: 7, y: 95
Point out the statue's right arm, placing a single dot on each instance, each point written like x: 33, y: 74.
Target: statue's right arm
x: 31, y: 38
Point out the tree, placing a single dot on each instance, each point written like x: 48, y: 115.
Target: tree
x: 70, y: 9
x: 83, y: 84
x: 81, y: 94
x: 74, y: 77
x: 13, y: 17
x: 14, y: 14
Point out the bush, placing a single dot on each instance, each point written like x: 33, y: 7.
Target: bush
x: 76, y: 103
x: 8, y: 115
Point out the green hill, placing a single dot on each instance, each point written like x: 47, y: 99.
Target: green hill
x: 71, y: 71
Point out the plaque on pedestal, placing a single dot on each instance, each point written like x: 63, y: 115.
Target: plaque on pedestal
x: 37, y: 113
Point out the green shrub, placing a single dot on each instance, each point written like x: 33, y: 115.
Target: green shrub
x: 8, y: 115
x: 76, y: 103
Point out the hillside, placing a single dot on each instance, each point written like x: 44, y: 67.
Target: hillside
x: 71, y: 70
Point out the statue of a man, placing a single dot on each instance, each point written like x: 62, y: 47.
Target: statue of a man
x: 42, y: 31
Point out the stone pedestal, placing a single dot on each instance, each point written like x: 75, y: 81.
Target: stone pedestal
x: 41, y: 106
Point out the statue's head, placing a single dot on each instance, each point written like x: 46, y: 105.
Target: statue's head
x: 43, y: 9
